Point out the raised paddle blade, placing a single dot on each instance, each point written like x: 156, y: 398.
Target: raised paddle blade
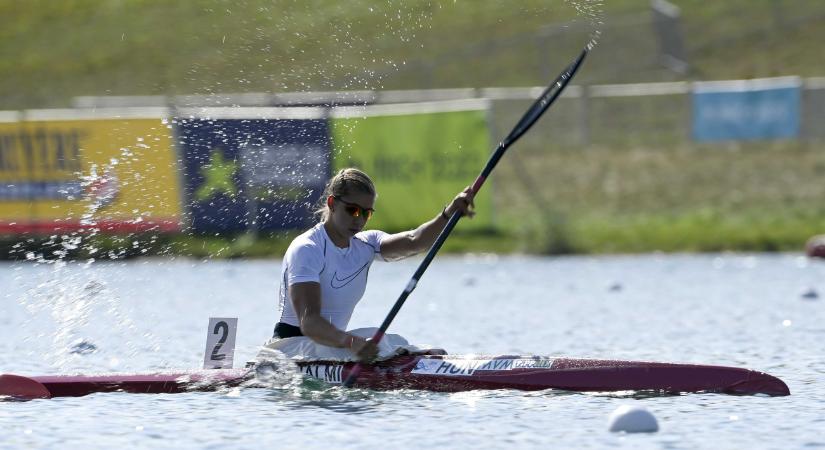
x: 16, y: 387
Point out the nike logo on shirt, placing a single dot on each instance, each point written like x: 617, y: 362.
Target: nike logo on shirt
x: 338, y: 283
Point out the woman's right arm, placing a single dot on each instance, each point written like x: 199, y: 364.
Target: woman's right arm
x: 306, y: 299
x: 408, y: 243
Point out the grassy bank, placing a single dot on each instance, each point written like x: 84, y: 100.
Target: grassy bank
x: 46, y: 249
x: 546, y: 234
x: 754, y: 197
x: 69, y: 48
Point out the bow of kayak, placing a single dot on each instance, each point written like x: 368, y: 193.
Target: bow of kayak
x: 28, y: 388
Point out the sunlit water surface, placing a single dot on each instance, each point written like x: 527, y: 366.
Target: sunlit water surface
x: 756, y: 311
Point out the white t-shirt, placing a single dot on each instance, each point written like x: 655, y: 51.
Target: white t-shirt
x: 341, y: 272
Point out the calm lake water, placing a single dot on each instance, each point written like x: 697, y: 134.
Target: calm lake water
x: 739, y: 310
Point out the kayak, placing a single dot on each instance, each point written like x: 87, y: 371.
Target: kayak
x: 815, y: 247
x: 441, y: 373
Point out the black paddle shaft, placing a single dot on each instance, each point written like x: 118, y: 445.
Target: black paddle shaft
x: 527, y: 120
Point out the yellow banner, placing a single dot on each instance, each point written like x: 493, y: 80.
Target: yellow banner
x: 113, y: 174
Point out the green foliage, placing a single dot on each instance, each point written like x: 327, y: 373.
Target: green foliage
x: 147, y: 47
x: 68, y: 48
x: 757, y: 196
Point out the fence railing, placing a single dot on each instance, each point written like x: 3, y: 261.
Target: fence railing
x: 650, y: 114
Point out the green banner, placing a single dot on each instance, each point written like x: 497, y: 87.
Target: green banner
x: 418, y: 161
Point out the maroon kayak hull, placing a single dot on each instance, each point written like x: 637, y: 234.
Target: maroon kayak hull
x: 49, y: 386
x: 434, y: 373
x: 454, y: 374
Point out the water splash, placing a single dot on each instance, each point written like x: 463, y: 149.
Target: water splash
x: 74, y: 295
x: 101, y: 190
x: 593, y: 13
x: 83, y: 315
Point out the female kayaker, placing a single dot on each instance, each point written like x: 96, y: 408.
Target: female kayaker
x: 324, y: 271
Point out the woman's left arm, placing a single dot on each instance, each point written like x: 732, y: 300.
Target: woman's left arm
x: 401, y: 245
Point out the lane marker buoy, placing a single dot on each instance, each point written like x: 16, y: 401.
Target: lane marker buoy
x: 632, y: 419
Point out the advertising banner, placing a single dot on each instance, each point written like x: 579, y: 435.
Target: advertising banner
x: 746, y: 109
x: 112, y: 175
x: 419, y: 157
x: 264, y: 173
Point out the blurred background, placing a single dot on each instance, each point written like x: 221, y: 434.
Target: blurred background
x: 134, y: 127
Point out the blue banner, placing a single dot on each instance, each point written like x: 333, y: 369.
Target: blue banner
x: 746, y: 110
x: 252, y: 174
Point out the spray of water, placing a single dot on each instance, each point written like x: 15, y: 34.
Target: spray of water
x: 74, y: 296
x: 592, y: 12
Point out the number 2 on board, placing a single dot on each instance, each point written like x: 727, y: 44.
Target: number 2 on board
x: 220, y: 343
x: 218, y: 327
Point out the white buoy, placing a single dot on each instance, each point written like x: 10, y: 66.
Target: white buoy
x: 632, y: 419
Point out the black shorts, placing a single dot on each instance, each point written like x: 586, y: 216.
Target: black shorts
x: 285, y: 330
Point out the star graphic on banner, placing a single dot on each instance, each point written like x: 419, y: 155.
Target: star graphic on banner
x: 217, y: 176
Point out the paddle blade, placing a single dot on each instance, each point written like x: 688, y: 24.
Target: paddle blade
x: 545, y: 99
x: 353, y: 375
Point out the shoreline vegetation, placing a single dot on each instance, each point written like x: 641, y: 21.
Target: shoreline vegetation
x: 253, y: 46
x: 631, y: 236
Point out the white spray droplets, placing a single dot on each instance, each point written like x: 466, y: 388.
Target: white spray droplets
x: 592, y: 12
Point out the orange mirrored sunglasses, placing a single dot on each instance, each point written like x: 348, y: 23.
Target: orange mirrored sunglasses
x: 355, y: 210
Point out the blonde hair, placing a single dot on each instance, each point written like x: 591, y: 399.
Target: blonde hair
x: 344, y: 182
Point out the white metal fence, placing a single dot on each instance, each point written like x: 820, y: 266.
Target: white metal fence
x: 646, y: 114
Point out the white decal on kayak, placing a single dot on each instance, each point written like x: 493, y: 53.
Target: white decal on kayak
x: 533, y: 363
x: 329, y: 373
x: 459, y: 367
